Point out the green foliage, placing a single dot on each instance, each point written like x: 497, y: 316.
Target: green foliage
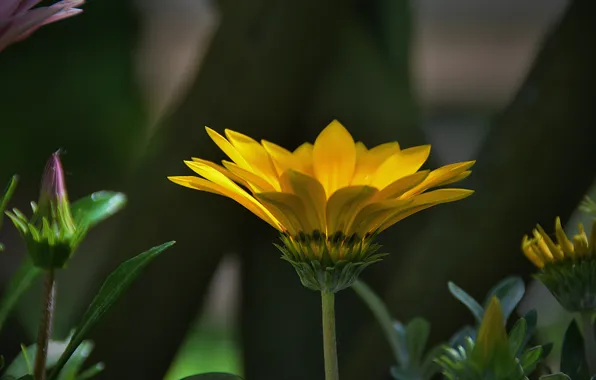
x: 111, y: 290
x: 21, y: 366
x: 213, y: 376
x: 493, y: 355
x: 408, y: 342
x: 5, y: 198
x: 19, y: 283
x: 509, y: 291
x: 555, y: 376
x: 573, y: 358
x: 94, y: 208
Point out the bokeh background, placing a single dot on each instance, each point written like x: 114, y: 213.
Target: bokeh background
x: 126, y: 88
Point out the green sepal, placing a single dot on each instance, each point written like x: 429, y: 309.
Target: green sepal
x: 328, y: 264
x: 571, y: 283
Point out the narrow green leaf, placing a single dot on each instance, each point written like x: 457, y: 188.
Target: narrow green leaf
x: 114, y: 286
x: 509, y: 292
x: 27, y: 377
x: 91, y: 372
x: 96, y: 207
x: 517, y: 336
x: 21, y: 365
x: 459, y: 338
x: 573, y: 359
x: 7, y: 195
x: 76, y: 361
x: 384, y: 318
x: 213, y: 376
x: 530, y: 359
x: 467, y: 300
x: 19, y: 283
x: 555, y: 376
x: 417, y: 332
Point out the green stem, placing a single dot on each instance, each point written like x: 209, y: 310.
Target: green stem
x: 329, y: 345
x: 45, y: 326
x: 589, y: 341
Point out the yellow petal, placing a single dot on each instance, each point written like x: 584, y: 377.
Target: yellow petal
x: 230, y: 190
x: 282, y: 158
x: 334, y: 157
x: 304, y: 158
x: 443, y: 176
x: 457, y: 178
x: 402, y: 185
x: 254, y: 154
x: 197, y: 183
x: 580, y: 242
x: 527, y: 245
x: 217, y: 167
x: 562, y: 239
x: 253, y: 181
x: 312, y: 194
x: 343, y: 206
x: 369, y: 161
x: 424, y: 201
x: 233, y: 191
x: 227, y: 148
x: 370, y: 217
x: 541, y: 246
x: 289, y: 209
x: 361, y: 149
x: 552, y: 247
x: 400, y: 164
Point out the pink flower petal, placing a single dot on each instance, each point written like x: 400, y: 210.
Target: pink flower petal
x: 7, y: 8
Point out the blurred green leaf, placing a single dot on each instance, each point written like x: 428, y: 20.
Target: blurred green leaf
x: 517, y: 336
x: 27, y: 377
x: 530, y: 359
x: 96, y: 207
x: 213, y: 376
x: 555, y: 376
x: 19, y: 283
x: 6, y: 196
x: 113, y: 287
x: 509, y: 292
x: 92, y: 371
x: 76, y: 361
x: 384, y: 318
x: 467, y: 300
x: 417, y: 332
x: 573, y: 359
x: 21, y: 365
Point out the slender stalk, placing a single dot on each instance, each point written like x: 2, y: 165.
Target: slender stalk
x: 589, y: 341
x: 45, y: 326
x: 329, y: 344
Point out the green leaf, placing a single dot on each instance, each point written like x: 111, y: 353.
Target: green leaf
x: 517, y: 336
x: 417, y: 332
x: 509, y: 292
x: 6, y: 196
x: 91, y: 372
x: 19, y: 283
x: 213, y: 376
x: 114, y: 286
x: 529, y: 360
x: 459, y: 338
x: 384, y: 318
x: 96, y: 207
x: 20, y: 366
x: 76, y: 361
x: 573, y: 359
x: 467, y: 300
x: 555, y: 376
x: 27, y: 377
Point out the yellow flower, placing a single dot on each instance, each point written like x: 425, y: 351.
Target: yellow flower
x: 328, y: 197
x: 567, y: 267
x: 542, y: 250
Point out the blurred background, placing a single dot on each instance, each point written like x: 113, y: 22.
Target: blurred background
x: 127, y: 87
